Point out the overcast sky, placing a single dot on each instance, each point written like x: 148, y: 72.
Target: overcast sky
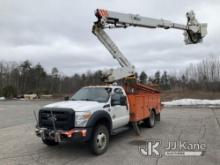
x: 58, y: 33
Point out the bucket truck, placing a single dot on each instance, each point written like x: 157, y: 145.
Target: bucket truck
x: 95, y: 112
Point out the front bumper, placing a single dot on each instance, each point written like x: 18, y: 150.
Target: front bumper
x: 76, y: 134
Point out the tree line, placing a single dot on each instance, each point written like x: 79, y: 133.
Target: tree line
x: 25, y: 78
x: 203, y: 76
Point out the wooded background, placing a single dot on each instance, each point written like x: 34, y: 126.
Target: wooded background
x: 25, y: 78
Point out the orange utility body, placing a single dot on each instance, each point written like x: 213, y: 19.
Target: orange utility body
x: 142, y: 99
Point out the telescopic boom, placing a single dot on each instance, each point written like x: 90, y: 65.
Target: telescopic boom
x: 194, y: 32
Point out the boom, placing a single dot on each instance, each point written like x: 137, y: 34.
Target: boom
x: 194, y: 32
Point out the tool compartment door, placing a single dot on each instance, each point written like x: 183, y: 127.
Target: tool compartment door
x: 137, y: 107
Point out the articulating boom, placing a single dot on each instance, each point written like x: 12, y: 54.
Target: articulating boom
x: 194, y: 32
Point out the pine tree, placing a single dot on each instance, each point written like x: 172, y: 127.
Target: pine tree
x: 143, y: 77
x: 157, y: 77
x: 164, y: 82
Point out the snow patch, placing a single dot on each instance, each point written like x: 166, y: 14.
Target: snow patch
x: 2, y: 98
x: 192, y: 102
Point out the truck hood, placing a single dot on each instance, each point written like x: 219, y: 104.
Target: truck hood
x: 77, y: 105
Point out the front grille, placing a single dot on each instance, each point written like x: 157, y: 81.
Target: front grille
x: 63, y: 118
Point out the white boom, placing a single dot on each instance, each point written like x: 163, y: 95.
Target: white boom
x: 194, y: 32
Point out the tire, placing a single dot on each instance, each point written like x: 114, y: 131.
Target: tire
x: 100, y: 140
x: 157, y: 117
x: 150, y: 122
x: 50, y: 142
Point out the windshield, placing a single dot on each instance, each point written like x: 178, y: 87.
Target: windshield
x: 92, y: 94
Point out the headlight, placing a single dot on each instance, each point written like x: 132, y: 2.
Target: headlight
x: 81, y: 118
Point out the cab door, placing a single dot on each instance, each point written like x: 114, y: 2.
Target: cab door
x: 119, y: 109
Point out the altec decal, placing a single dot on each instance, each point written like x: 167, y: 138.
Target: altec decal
x: 103, y: 13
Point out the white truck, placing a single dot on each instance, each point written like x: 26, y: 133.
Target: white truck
x: 95, y: 112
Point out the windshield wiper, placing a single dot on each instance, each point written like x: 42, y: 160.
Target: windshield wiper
x: 87, y: 100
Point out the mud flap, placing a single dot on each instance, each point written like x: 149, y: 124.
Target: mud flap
x: 136, y: 128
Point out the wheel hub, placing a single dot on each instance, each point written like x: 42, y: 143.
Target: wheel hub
x: 101, y: 140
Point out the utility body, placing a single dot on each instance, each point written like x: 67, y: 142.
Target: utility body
x: 94, y: 113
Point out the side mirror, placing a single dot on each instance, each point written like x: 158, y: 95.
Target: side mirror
x: 66, y: 98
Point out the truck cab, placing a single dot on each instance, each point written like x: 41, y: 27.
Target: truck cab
x: 109, y: 100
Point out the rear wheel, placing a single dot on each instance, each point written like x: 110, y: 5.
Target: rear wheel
x: 100, y: 140
x: 157, y: 117
x: 50, y: 142
x: 150, y: 122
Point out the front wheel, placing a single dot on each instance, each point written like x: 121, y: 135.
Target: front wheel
x: 100, y: 140
x: 150, y: 122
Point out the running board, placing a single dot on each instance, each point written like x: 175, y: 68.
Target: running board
x: 119, y: 130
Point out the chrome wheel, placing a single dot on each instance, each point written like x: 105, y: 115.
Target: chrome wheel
x: 101, y: 140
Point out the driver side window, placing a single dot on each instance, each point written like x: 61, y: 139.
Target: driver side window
x: 117, y: 97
